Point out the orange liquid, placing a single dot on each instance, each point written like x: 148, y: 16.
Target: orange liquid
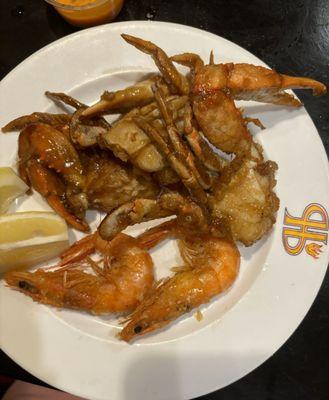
x: 76, y: 3
x: 99, y: 14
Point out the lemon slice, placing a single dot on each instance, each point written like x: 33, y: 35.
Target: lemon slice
x: 11, y: 186
x: 29, y: 238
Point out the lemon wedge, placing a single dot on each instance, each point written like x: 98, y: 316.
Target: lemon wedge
x: 29, y: 238
x: 11, y: 187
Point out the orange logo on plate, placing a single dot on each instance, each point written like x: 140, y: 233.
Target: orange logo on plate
x: 311, y: 226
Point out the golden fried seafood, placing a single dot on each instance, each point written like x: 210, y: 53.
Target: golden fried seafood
x: 211, y: 265
x: 141, y: 93
x: 222, y: 122
x: 74, y: 181
x: 118, y: 286
x: 110, y: 183
x: 242, y: 206
x: 242, y: 193
x: 129, y: 142
x: 213, y: 88
x: 170, y: 132
x: 199, y: 145
x: 83, y: 132
x: 125, y: 280
x: 246, y: 81
x: 45, y: 153
x: 54, y: 149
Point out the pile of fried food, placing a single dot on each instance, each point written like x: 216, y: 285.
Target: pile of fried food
x: 159, y: 159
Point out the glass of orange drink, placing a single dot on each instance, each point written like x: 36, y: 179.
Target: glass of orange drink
x: 84, y: 13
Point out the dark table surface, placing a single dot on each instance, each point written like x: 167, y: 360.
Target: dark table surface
x: 289, y: 35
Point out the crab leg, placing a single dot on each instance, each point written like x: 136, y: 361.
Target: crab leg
x: 66, y: 99
x: 131, y: 213
x: 246, y: 81
x: 188, y: 213
x: 250, y: 82
x: 190, y: 60
x: 178, y: 165
x: 200, y: 146
x: 176, y: 81
x: 50, y: 119
x: 254, y: 121
x: 211, y: 58
x: 179, y: 145
x: 84, y: 132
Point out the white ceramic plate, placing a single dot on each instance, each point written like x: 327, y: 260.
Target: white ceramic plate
x: 241, y: 329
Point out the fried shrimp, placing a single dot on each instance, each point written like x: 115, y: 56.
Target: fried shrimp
x: 211, y: 266
x: 119, y: 286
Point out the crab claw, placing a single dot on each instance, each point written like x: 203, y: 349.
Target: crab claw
x: 58, y: 205
x: 56, y: 151
x: 123, y: 100
x: 49, y: 185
